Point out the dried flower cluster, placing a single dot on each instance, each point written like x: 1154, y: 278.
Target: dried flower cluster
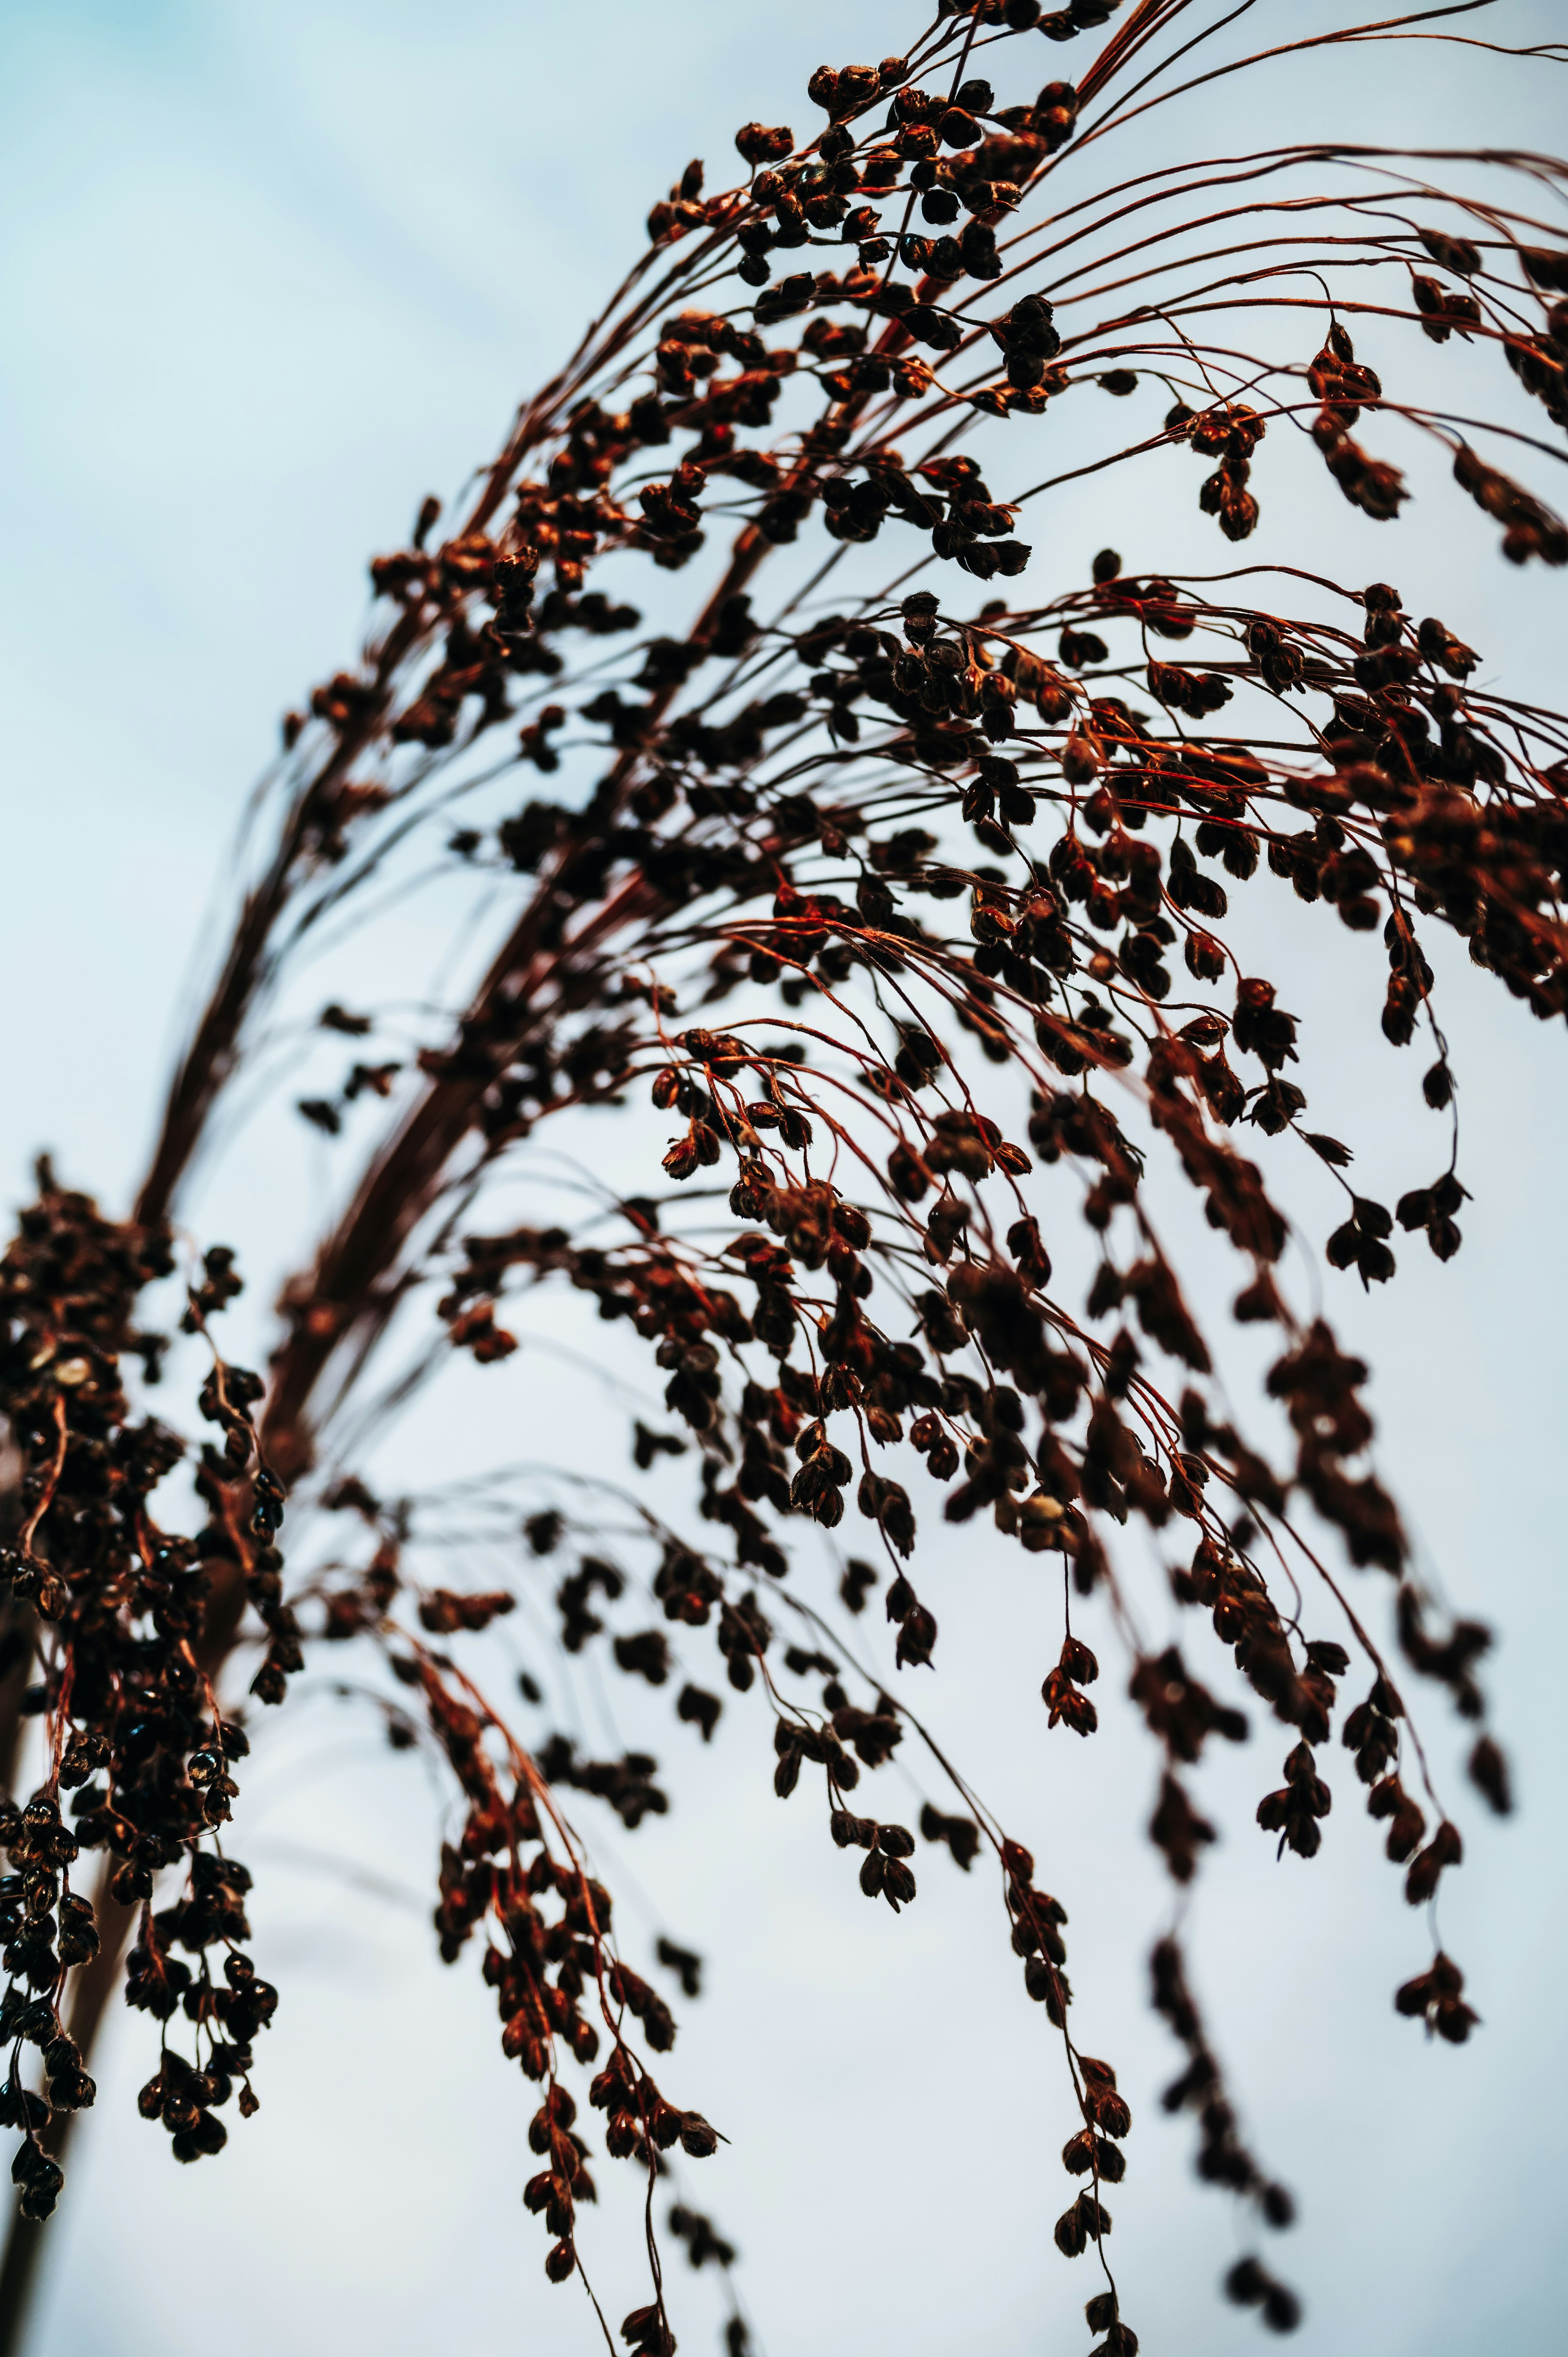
x: 946, y: 840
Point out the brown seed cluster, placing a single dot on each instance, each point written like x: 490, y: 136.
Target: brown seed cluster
x: 112, y: 1609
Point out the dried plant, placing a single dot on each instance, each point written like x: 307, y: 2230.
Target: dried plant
x: 944, y: 835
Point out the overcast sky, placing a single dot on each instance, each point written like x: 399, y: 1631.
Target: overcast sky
x: 268, y: 274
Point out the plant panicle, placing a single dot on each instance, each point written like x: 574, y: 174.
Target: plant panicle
x: 953, y: 843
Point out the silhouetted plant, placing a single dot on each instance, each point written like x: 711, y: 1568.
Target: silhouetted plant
x: 801, y: 805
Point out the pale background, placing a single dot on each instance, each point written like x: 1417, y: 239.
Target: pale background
x: 266, y: 275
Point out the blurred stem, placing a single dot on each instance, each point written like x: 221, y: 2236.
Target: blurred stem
x: 347, y: 1285
x: 396, y: 1189
x: 215, y: 1046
